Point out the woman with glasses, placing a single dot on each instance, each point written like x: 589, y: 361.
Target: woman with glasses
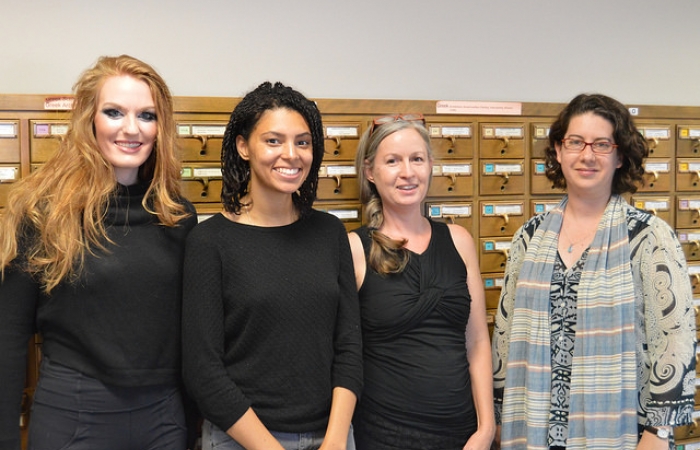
x: 594, y: 341
x: 271, y: 340
x: 427, y: 361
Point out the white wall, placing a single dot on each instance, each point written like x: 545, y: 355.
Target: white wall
x: 639, y: 51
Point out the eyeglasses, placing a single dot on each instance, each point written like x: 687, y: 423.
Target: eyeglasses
x: 379, y: 121
x: 602, y: 147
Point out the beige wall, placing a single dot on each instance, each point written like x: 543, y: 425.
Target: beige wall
x: 640, y: 51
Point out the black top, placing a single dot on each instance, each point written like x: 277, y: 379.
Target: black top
x: 119, y: 323
x: 271, y: 321
x: 413, y: 331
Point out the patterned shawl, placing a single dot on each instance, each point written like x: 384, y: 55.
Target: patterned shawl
x: 603, y: 403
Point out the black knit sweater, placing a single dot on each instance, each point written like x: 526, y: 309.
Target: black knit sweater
x: 271, y: 321
x: 120, y: 323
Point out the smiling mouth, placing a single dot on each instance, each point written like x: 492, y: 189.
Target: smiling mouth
x: 131, y: 145
x: 286, y: 171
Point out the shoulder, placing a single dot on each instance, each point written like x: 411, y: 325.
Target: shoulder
x: 208, y: 229
x: 322, y: 222
x: 643, y: 224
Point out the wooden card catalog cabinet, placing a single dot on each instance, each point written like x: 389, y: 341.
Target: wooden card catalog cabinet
x: 542, y: 205
x: 688, y: 212
x: 201, y: 141
x: 493, y: 283
x: 9, y: 141
x: 451, y: 140
x: 539, y: 183
x: 493, y: 254
x: 540, y: 139
x: 460, y: 213
x: 8, y: 175
x: 452, y: 179
x: 690, y: 242
x: 348, y: 213
x: 657, y: 175
x: 694, y: 273
x: 501, y: 177
x: 688, y: 174
x: 688, y: 143
x: 688, y: 432
x: 501, y: 218
x: 341, y: 139
x: 202, y: 183
x: 660, y: 139
x: 659, y: 206
x: 45, y: 139
x: 504, y: 140
x: 338, y: 182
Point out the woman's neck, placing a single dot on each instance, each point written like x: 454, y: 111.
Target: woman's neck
x: 264, y: 211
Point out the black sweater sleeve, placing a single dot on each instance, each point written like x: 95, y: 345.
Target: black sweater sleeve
x: 347, y: 366
x: 18, y: 299
x: 203, y: 333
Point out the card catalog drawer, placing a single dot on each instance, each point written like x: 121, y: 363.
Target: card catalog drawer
x: 540, y: 139
x: 661, y: 206
x: 9, y: 141
x: 660, y: 139
x: 493, y: 254
x: 338, y: 182
x: 451, y: 140
x: 45, y: 139
x: 688, y: 174
x: 500, y: 218
x: 690, y: 243
x: 201, y: 141
x: 493, y: 283
x: 688, y: 211
x: 460, y: 213
x: 500, y: 177
x: 502, y: 140
x: 341, y: 139
x: 202, y: 183
x: 452, y: 179
x: 688, y: 143
x: 657, y: 175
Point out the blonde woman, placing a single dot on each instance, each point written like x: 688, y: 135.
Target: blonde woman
x: 425, y: 341
x: 91, y: 257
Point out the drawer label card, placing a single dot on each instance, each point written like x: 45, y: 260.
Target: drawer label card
x: 8, y: 130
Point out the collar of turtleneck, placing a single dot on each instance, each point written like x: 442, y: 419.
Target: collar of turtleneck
x: 125, y: 207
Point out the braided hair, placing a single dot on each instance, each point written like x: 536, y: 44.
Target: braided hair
x: 244, y: 118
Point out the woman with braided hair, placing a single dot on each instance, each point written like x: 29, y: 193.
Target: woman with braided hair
x: 271, y: 330
x: 427, y: 360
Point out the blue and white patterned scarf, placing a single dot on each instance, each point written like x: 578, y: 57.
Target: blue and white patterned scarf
x: 603, y: 403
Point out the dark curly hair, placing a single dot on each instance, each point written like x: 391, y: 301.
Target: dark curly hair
x: 244, y: 118
x: 632, y: 147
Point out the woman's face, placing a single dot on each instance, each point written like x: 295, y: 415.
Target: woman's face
x: 586, y: 172
x: 125, y: 125
x: 401, y: 169
x: 279, y: 151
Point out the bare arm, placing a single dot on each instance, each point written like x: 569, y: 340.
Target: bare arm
x: 250, y: 432
x: 342, y: 407
x: 358, y: 258
x: 478, y: 343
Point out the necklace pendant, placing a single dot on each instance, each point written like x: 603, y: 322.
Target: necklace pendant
x: 571, y: 248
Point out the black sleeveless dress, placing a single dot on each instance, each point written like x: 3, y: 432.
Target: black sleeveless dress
x: 417, y: 389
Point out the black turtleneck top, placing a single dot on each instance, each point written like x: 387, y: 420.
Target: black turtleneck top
x: 119, y: 323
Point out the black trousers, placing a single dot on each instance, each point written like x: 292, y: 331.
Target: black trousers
x: 74, y: 412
